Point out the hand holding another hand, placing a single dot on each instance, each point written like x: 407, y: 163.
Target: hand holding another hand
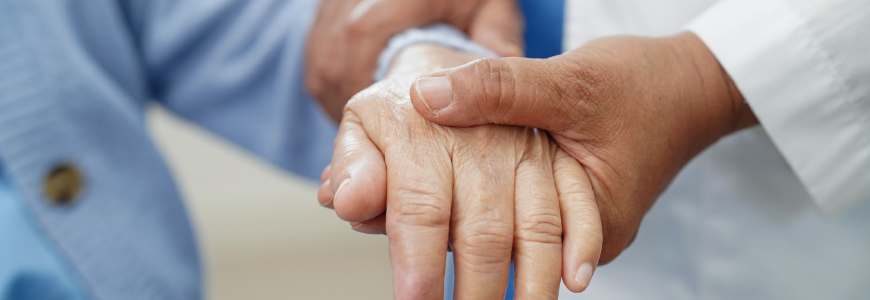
x: 492, y: 190
x: 633, y: 111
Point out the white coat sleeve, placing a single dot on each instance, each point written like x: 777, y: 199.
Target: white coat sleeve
x: 804, y: 68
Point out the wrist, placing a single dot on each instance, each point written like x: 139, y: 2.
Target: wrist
x: 743, y: 117
x: 437, y: 34
x: 722, y: 109
x: 421, y: 59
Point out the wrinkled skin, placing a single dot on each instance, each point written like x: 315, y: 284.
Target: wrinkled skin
x: 348, y: 36
x: 633, y: 111
x: 490, y: 190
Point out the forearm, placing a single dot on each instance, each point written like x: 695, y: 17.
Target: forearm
x: 719, y: 108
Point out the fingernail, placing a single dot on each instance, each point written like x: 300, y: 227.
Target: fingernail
x: 435, y: 92
x: 338, y: 190
x: 328, y: 204
x: 367, y: 229
x: 584, y: 275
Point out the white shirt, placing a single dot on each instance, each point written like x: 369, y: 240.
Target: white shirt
x: 776, y: 211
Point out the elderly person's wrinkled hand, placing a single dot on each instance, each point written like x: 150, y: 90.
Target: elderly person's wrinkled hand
x: 348, y: 36
x: 490, y: 190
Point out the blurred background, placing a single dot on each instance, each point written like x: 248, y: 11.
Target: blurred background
x: 261, y: 231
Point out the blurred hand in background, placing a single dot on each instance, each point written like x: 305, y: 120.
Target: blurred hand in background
x: 348, y: 36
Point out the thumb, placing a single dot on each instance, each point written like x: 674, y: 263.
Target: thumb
x: 508, y: 91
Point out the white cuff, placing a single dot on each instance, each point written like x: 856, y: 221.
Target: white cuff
x: 798, y: 89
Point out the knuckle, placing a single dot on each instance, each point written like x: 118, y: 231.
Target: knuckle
x: 540, y: 227
x: 362, y: 26
x: 488, y: 231
x: 497, y: 80
x: 588, y: 226
x: 314, y: 87
x: 417, y: 284
x: 332, y: 73
x: 586, y: 233
x: 486, y: 240
x: 320, y: 74
x: 419, y: 208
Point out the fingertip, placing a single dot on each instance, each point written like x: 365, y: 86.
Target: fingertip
x: 358, y: 174
x: 579, y: 264
x: 580, y: 261
x: 376, y: 225
x: 363, y: 227
x: 327, y: 172
x: 418, y: 99
x: 362, y: 196
x: 584, y: 275
x: 579, y: 281
x: 484, y: 91
x: 447, y: 97
x: 324, y: 194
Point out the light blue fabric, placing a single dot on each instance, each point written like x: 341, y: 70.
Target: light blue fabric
x: 74, y: 80
x: 75, y: 77
x: 29, y: 269
x: 440, y: 33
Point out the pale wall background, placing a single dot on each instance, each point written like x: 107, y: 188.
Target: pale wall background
x: 261, y: 231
